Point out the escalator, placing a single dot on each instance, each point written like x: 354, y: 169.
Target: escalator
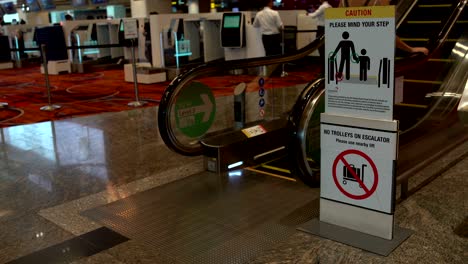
x: 429, y: 126
x: 425, y: 20
x: 432, y: 90
x: 268, y: 96
x: 292, y: 105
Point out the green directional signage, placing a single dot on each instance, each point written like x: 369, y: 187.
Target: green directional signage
x: 195, y: 110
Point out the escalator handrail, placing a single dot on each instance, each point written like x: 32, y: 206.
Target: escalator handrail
x: 408, y: 9
x: 298, y: 122
x: 447, y: 28
x: 434, y: 45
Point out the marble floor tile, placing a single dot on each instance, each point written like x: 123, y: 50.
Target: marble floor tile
x: 25, y: 235
x: 432, y: 213
x: 52, y: 171
x: 67, y: 164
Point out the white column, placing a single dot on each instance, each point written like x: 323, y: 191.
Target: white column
x: 138, y: 8
x: 142, y: 8
x: 193, y: 7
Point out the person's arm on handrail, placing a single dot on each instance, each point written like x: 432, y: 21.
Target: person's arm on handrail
x: 400, y: 44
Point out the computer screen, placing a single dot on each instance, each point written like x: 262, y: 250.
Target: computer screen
x: 54, y: 40
x: 47, y: 4
x: 79, y: 2
x: 232, y: 21
x: 9, y: 7
x: 232, y: 30
x: 33, y: 5
x: 97, y: 2
x: 5, y: 54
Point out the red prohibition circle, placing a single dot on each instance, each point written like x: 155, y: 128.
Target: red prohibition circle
x: 368, y: 192
x: 262, y: 112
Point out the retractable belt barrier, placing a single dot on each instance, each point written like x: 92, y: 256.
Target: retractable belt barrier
x: 73, y: 47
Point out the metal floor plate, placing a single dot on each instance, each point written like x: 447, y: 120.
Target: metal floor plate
x: 212, y: 218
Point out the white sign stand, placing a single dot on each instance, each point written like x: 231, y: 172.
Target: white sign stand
x: 359, y: 137
x: 358, y: 173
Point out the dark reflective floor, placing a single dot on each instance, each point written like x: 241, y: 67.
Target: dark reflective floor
x: 52, y: 172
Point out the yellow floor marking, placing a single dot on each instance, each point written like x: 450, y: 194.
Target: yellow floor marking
x: 276, y: 168
x: 271, y: 174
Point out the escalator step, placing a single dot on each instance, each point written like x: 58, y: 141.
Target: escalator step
x: 422, y: 81
x: 414, y: 91
x: 429, y: 12
x: 436, y: 2
x: 433, y: 70
x: 435, y: 6
x: 419, y: 30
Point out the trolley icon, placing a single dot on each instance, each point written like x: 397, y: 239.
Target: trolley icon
x: 348, y: 176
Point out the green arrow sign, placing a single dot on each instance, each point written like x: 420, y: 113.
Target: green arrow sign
x: 195, y: 110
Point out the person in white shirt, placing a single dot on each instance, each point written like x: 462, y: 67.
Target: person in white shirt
x: 270, y: 24
x: 319, y: 14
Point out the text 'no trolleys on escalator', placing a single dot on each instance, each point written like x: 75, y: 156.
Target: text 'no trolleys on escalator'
x: 359, y: 137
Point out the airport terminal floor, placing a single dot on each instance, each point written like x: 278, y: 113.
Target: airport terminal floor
x: 105, y: 189
x: 147, y: 185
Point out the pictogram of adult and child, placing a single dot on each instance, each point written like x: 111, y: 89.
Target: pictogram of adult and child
x: 348, y: 54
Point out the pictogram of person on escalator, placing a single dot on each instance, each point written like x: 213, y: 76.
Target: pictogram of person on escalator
x: 347, y: 50
x: 364, y: 65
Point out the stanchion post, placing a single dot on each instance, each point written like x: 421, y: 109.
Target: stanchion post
x: 18, y: 53
x: 137, y: 101
x: 283, y: 72
x: 50, y: 106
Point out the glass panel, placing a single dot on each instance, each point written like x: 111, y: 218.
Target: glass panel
x: 433, y: 87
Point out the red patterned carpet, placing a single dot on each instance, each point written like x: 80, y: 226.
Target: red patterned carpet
x: 79, y: 94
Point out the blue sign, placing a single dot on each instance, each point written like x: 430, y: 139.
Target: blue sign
x: 261, y: 82
x: 261, y: 92
x: 261, y: 103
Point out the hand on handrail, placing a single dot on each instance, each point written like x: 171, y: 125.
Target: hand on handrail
x: 422, y: 50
